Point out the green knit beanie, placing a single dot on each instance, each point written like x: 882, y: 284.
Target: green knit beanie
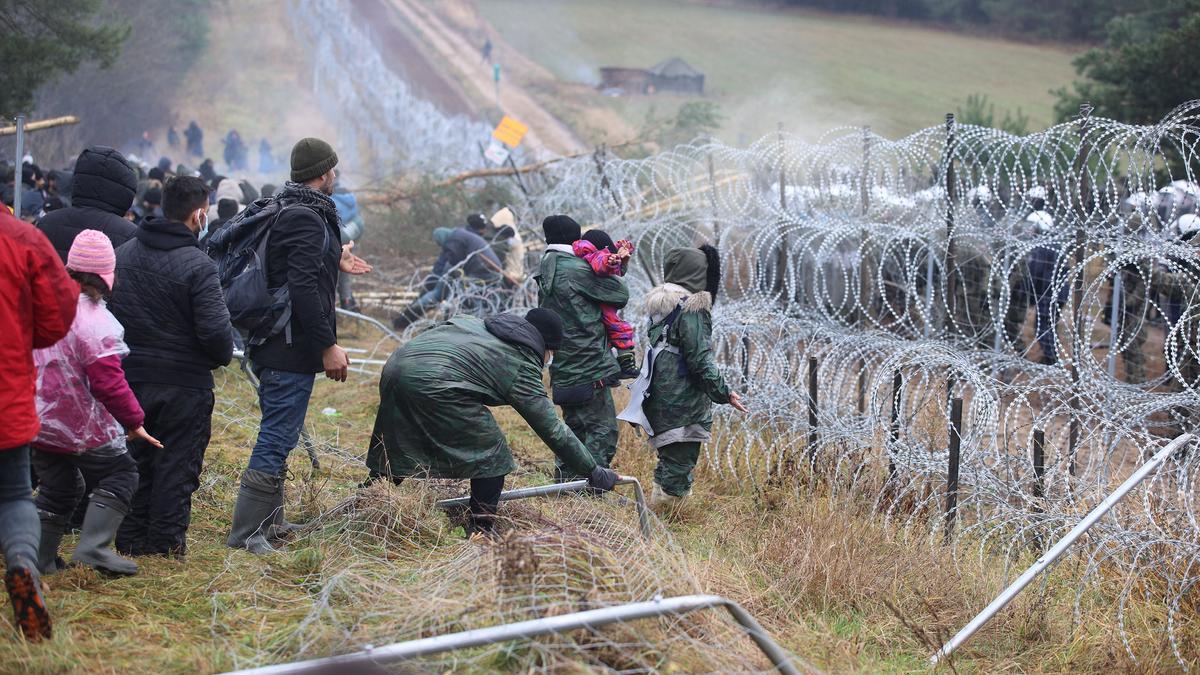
x: 311, y: 157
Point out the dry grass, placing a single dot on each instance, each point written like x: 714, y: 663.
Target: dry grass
x: 836, y: 582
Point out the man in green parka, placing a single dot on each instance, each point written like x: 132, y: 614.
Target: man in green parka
x: 432, y: 419
x: 584, y: 368
x: 681, y: 382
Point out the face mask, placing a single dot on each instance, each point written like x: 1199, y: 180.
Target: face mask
x: 203, y: 218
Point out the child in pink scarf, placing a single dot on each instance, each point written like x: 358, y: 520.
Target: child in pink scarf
x: 608, y: 259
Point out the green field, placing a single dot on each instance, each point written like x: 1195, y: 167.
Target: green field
x: 811, y: 72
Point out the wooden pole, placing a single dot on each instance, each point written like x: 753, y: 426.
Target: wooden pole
x: 41, y: 124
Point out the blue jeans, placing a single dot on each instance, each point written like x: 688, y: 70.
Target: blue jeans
x: 20, y: 529
x: 283, y: 399
x: 430, y: 299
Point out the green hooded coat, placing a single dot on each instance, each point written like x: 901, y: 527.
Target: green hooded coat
x: 432, y: 417
x: 684, y: 385
x: 567, y: 286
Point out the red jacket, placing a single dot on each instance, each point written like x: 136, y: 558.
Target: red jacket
x: 37, y: 306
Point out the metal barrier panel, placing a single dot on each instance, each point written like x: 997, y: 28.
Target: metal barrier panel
x: 592, y: 618
x: 639, y: 497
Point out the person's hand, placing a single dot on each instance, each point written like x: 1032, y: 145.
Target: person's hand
x: 603, y: 478
x: 512, y: 280
x: 336, y: 363
x: 139, y: 434
x: 352, y: 264
x: 735, y: 400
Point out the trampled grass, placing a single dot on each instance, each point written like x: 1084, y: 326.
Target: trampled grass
x: 809, y: 72
x: 835, y: 581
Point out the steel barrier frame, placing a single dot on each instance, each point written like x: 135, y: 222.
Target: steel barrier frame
x: 639, y: 497
x: 1060, y: 547
x: 591, y: 618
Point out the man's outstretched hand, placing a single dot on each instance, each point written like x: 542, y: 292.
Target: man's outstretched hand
x: 603, y: 478
x: 352, y: 264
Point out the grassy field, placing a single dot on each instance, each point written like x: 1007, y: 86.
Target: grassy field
x: 810, y: 72
x: 836, y: 582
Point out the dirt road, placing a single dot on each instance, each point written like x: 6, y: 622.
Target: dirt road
x: 405, y: 53
x: 547, y: 134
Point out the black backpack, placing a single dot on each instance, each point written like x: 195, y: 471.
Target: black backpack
x: 240, y: 251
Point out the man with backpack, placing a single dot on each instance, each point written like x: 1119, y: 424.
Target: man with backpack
x: 169, y: 300
x: 294, y: 243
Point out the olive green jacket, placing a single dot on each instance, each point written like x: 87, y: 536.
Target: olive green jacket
x: 684, y: 385
x: 568, y: 286
x: 432, y: 417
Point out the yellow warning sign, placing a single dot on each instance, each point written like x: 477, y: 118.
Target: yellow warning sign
x: 510, y: 132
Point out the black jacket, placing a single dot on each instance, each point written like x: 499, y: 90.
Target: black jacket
x: 102, y: 191
x: 295, y: 257
x: 169, y: 300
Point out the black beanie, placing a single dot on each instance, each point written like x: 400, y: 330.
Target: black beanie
x: 227, y: 208
x: 548, y: 324
x: 311, y: 157
x: 560, y: 230
x: 477, y: 222
x: 600, y: 239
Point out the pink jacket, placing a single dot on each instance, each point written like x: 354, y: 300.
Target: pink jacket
x: 82, y: 397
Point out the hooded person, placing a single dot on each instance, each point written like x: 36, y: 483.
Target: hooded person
x: 508, y: 245
x: 463, y: 253
x: 672, y: 400
x: 584, y: 368
x: 226, y: 189
x: 433, y: 418
x: 102, y: 190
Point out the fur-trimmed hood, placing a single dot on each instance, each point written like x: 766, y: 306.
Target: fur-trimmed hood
x: 662, y: 300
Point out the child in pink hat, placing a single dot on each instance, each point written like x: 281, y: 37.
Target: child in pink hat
x: 87, y: 410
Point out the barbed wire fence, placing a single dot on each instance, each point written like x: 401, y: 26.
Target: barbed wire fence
x: 1046, y: 283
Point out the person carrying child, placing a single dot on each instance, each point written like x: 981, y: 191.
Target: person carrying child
x: 608, y: 259
x: 87, y: 410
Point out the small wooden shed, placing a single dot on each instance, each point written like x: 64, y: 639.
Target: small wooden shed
x: 673, y: 74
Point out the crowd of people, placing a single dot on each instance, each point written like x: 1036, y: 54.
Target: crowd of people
x: 124, y: 300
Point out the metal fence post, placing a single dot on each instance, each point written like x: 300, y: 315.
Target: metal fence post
x: 1039, y: 473
x: 1078, y: 343
x: 862, y: 387
x: 952, y: 473
x: 745, y: 358
x: 1039, y: 468
x: 812, y: 413
x: 19, y: 164
x: 949, y: 272
x: 894, y: 433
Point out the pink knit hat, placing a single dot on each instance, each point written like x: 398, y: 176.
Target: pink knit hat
x: 93, y: 252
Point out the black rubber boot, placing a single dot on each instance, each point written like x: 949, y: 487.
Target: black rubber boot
x: 280, y: 528
x: 104, y: 515
x: 53, y: 527
x: 259, y: 498
x: 407, y: 318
